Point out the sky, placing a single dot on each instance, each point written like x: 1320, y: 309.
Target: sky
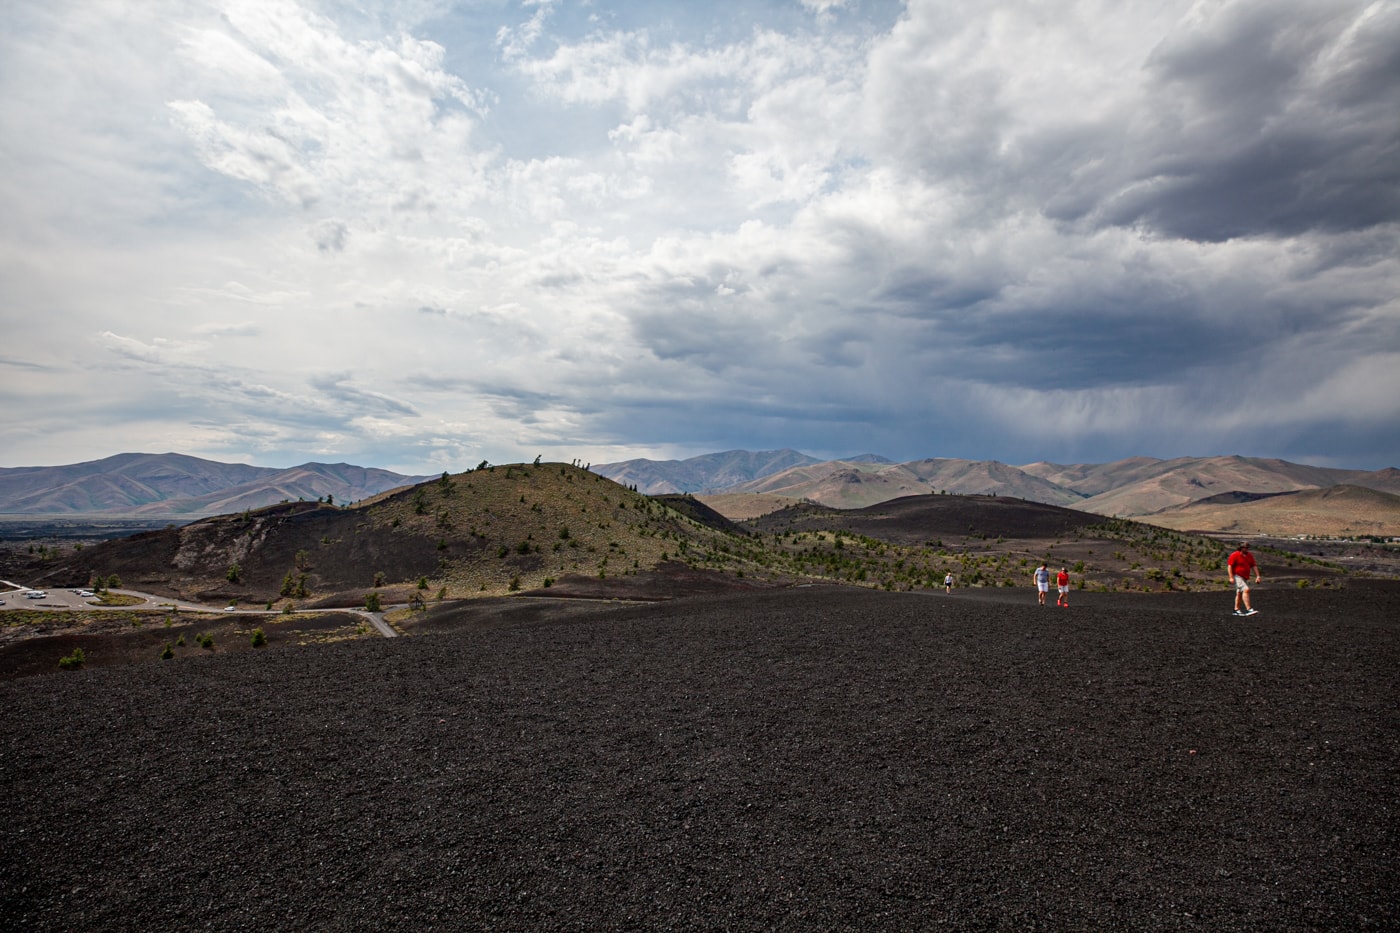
x: 420, y: 234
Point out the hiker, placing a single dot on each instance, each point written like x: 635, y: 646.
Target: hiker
x: 1240, y: 563
x: 1042, y: 581
x: 1062, y: 581
x: 948, y: 583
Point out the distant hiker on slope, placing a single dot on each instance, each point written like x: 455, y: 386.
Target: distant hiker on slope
x: 948, y: 583
x: 1240, y: 563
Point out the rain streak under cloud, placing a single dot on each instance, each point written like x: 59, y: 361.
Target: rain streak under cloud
x: 421, y: 234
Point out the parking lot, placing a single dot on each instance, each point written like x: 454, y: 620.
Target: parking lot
x: 16, y: 596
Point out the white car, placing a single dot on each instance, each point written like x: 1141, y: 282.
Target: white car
x: 36, y: 594
x: 230, y: 609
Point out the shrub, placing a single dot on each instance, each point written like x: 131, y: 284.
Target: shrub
x: 372, y: 602
x: 168, y: 653
x: 259, y: 639
x: 73, y: 660
x: 514, y: 584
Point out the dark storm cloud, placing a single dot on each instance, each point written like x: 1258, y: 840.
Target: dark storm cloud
x: 1270, y: 125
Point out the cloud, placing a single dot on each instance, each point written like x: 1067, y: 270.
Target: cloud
x: 443, y: 230
x: 336, y: 387
x: 322, y: 119
x: 240, y: 329
x: 1269, y: 126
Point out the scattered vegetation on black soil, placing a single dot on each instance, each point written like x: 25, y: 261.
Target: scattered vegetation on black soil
x: 497, y: 530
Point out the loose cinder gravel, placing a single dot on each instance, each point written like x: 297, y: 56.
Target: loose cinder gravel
x: 810, y: 759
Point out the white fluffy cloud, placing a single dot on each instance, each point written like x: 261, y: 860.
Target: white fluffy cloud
x: 416, y: 235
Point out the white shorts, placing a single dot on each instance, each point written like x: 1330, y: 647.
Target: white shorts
x: 1241, y: 584
x: 1064, y: 589
x: 1043, y: 587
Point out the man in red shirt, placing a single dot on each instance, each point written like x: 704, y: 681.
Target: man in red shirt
x: 1240, y: 563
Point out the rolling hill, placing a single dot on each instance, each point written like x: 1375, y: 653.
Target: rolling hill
x: 1134, y: 487
x: 488, y: 531
x: 561, y: 531
x: 1143, y: 490
x: 711, y: 472
x: 1336, y: 510
x: 177, y: 486
x: 739, y: 484
x: 848, y: 484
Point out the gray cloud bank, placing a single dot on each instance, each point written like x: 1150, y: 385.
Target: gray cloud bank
x: 419, y: 235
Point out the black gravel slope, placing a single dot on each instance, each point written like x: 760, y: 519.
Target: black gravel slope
x: 814, y: 759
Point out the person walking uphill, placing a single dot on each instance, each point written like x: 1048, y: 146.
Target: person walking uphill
x: 1240, y: 563
x: 1042, y: 581
x: 1062, y: 582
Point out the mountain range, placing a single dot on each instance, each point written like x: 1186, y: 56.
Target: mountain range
x: 1136, y: 486
x: 177, y: 486
x: 1223, y: 493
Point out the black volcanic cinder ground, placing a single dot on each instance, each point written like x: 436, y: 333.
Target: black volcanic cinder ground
x: 811, y: 759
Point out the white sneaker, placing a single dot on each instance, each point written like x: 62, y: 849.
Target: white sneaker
x: 1252, y: 612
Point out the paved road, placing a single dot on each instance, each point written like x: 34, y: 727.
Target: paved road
x: 69, y: 600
